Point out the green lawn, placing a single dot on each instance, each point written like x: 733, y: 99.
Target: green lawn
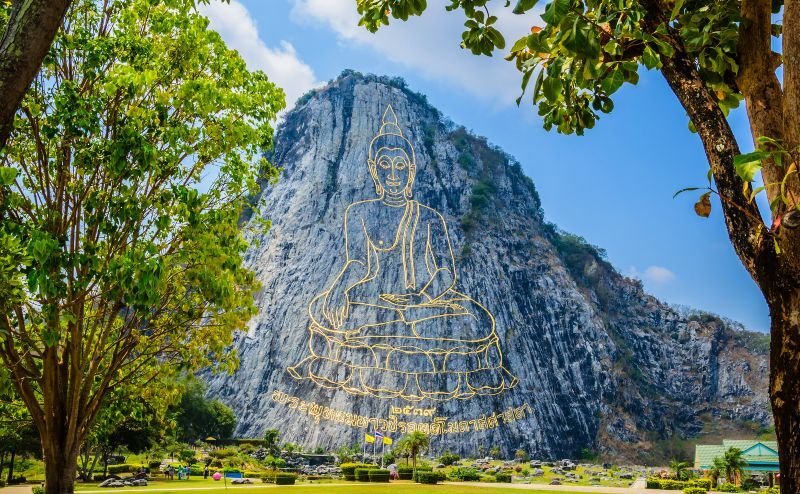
x: 201, y: 486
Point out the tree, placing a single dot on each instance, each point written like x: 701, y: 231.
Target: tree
x: 679, y: 468
x: 734, y: 465
x: 448, y: 458
x: 522, y: 456
x: 271, y: 438
x: 198, y: 417
x: 717, y: 469
x: 132, y: 156
x: 28, y: 28
x: 413, y: 444
x: 494, y: 452
x: 712, y: 55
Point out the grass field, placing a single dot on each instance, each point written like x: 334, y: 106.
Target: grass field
x: 200, y: 486
x: 355, y: 488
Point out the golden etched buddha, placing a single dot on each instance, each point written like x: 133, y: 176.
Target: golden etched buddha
x: 392, y: 323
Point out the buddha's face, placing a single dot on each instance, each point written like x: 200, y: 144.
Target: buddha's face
x: 393, y: 170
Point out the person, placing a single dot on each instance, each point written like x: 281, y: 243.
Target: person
x: 205, y: 472
x: 393, y: 474
x: 394, y: 305
x: 171, y: 472
x: 186, y: 471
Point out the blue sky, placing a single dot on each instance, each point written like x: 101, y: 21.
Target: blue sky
x: 614, y: 186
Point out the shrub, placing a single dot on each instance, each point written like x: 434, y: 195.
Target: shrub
x: 37, y: 489
x: 378, y: 475
x: 349, y: 469
x: 728, y: 487
x: 702, y: 483
x: 653, y: 483
x: 421, y: 468
x: 362, y: 474
x: 268, y: 477
x: 465, y: 474
x: 503, y: 477
x: 318, y: 477
x: 284, y: 478
x: 2, y: 483
x: 122, y: 468
x: 773, y: 490
x: 427, y: 477
x: 694, y: 490
x: 405, y: 473
x: 672, y: 485
x: 250, y: 474
x: 448, y: 458
x: 154, y: 464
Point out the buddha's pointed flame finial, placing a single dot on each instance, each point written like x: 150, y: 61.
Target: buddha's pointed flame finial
x: 389, y: 123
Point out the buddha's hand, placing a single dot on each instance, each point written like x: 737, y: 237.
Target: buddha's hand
x: 336, y: 307
x: 406, y: 299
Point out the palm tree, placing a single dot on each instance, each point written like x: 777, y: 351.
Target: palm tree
x: 679, y: 467
x: 401, y: 448
x: 734, y: 464
x: 414, y: 444
x: 716, y: 470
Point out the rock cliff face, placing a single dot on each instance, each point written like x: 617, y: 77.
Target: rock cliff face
x: 599, y: 364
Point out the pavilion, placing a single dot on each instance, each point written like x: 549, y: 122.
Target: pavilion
x: 761, y: 456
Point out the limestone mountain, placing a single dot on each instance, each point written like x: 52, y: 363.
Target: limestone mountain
x: 536, y: 341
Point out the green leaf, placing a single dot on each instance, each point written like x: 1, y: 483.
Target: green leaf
x: 555, y: 11
x: 551, y: 88
x: 523, y: 6
x: 747, y: 165
x: 7, y: 175
x: 687, y: 189
x: 676, y: 8
x: 520, y: 44
x: 650, y: 58
x: 613, y: 81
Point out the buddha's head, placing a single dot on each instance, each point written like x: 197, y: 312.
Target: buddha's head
x: 391, y: 161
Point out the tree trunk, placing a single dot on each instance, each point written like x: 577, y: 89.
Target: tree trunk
x: 777, y: 274
x: 10, y: 477
x: 784, y: 383
x: 59, y: 467
x: 30, y: 30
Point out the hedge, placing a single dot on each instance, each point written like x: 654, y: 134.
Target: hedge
x: 268, y: 477
x: 378, y: 475
x: 701, y: 483
x: 677, y: 485
x: 465, y: 474
x: 427, y: 477
x: 694, y: 490
x: 503, y: 477
x: 405, y: 473
x: 283, y: 478
x: 420, y: 469
x: 362, y: 474
x: 349, y: 469
x: 728, y: 487
x: 122, y: 468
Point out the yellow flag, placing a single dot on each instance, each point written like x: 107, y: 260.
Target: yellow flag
x: 368, y: 438
x: 387, y: 440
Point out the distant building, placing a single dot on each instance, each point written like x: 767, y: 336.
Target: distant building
x: 761, y: 456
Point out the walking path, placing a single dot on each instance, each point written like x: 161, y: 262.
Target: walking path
x: 17, y: 489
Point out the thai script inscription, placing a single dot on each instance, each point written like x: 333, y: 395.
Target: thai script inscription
x: 436, y: 427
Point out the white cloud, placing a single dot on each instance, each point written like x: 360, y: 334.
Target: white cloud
x: 282, y: 64
x: 429, y: 44
x: 656, y: 275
